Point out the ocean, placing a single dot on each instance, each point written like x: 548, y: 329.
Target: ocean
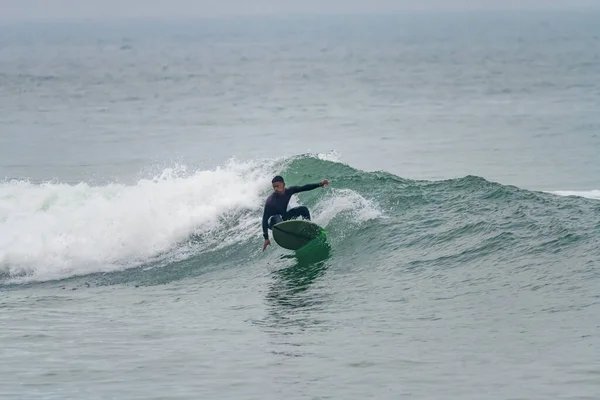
x: 463, y: 209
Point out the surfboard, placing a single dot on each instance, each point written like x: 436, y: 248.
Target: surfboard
x: 296, y: 233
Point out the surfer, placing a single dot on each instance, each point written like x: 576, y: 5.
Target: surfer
x: 276, y: 205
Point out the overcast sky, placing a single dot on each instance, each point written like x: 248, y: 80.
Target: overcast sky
x: 61, y: 9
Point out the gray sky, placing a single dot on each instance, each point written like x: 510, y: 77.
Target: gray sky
x: 61, y: 9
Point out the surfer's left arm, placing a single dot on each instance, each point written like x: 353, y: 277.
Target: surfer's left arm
x: 310, y: 186
x: 265, y: 221
x: 265, y: 226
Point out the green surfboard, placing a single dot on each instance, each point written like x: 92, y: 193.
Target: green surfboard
x: 295, y: 234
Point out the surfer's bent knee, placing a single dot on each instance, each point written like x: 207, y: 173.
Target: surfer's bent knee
x: 274, y: 219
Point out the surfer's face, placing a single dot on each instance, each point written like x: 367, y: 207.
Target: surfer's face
x: 279, y: 187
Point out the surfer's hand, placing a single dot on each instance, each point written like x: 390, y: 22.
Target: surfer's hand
x: 267, y: 243
x: 324, y: 182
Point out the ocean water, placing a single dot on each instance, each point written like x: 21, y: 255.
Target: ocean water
x: 463, y: 212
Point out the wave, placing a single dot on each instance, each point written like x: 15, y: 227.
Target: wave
x: 181, y: 222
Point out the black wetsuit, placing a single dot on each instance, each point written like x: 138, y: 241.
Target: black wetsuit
x: 276, y: 205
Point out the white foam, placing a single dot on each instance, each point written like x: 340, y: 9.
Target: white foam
x: 591, y: 194
x: 345, y: 201
x: 55, y: 230
x: 333, y: 156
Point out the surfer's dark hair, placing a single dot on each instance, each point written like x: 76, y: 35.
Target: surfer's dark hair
x: 278, y: 178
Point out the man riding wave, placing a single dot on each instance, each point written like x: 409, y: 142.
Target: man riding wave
x: 276, y: 205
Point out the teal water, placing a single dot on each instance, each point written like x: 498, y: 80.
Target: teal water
x: 462, y: 216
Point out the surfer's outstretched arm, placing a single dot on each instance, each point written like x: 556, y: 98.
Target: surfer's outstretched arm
x: 305, y: 188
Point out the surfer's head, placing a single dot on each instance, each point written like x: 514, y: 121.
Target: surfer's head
x: 278, y: 184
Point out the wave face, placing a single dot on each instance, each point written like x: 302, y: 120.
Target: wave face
x: 181, y: 222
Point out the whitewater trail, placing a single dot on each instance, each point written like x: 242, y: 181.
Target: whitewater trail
x: 55, y: 229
